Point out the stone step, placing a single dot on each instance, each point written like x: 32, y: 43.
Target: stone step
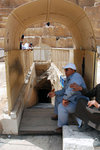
x: 75, y: 140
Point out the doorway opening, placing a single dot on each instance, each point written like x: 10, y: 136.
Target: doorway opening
x: 44, y: 84
x: 43, y: 91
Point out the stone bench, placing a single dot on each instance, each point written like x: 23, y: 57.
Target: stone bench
x: 75, y: 140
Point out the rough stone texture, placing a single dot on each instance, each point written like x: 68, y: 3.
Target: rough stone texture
x: 61, y: 31
x: 5, y: 11
x: 33, y: 32
x: 49, y: 41
x: 93, y: 14
x: 75, y: 140
x: 54, y: 30
x: 30, y: 142
x: 2, y: 32
x: 86, y: 2
x: 48, y: 31
x: 2, y: 25
x: 64, y: 42
x: 41, y: 68
x: 98, y: 41
x: 61, y: 43
x: 10, y: 3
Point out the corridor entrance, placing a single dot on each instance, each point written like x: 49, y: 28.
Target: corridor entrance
x: 21, y: 93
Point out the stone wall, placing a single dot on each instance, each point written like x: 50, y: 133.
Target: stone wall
x: 93, y: 14
x: 55, y: 35
x: 83, y: 3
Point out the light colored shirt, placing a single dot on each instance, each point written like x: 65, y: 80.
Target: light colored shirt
x: 67, y: 92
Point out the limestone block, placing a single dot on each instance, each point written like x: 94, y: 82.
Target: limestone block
x: 74, y: 1
x: 61, y: 42
x: 34, y: 32
x: 5, y: 11
x: 2, y: 25
x: 98, y: 41
x: 48, y: 31
x: 2, y: 32
x: 93, y: 13
x: 95, y: 24
x: 86, y: 2
x: 49, y: 41
x: 97, y: 33
x: 10, y: 3
x: 75, y: 140
x: 69, y: 42
x: 64, y: 42
x: 61, y: 31
x: 39, y: 25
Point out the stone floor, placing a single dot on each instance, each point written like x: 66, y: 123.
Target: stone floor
x: 37, y: 120
x: 31, y: 142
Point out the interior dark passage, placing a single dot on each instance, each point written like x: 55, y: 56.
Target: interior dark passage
x: 43, y: 91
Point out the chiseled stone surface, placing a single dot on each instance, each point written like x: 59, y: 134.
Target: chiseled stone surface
x: 75, y: 140
x: 30, y: 142
x: 2, y: 32
x: 49, y: 41
x: 34, y: 31
x: 54, y: 30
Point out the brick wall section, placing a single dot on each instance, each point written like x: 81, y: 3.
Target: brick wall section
x: 12, y: 3
x: 49, y: 41
x: 83, y: 3
x: 93, y: 14
x: 33, y: 32
x: 56, y: 35
x: 49, y: 34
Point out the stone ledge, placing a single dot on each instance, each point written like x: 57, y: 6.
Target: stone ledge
x: 75, y: 140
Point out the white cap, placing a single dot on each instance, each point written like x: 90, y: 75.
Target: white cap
x: 70, y: 65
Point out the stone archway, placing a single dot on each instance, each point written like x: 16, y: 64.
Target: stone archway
x: 61, y: 11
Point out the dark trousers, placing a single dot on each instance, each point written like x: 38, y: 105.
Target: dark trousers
x: 91, y: 115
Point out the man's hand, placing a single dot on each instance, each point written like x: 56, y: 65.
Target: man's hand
x: 65, y: 102
x: 94, y: 103
x: 51, y: 94
x: 75, y: 87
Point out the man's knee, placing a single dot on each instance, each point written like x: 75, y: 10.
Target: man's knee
x: 60, y: 107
